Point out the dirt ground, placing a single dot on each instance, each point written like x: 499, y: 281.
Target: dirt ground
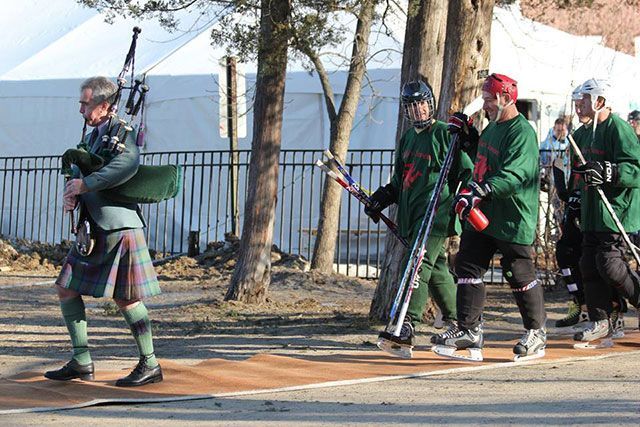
x: 306, y: 313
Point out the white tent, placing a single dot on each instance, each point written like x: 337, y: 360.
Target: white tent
x: 50, y: 46
x: 38, y: 85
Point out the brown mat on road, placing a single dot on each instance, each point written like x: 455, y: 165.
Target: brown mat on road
x: 30, y: 392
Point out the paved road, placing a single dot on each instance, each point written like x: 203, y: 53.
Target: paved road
x: 604, y: 391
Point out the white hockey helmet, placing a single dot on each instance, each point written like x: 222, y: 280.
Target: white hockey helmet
x: 576, y: 95
x: 597, y: 88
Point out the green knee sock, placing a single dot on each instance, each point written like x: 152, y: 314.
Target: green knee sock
x: 76, y: 320
x: 138, y: 320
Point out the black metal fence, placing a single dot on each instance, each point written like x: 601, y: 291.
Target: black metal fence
x: 32, y: 188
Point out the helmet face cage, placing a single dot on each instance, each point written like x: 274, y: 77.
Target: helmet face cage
x: 418, y: 104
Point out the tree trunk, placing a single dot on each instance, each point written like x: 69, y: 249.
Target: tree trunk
x: 421, y: 59
x: 252, y: 273
x: 466, y: 58
x: 325, y: 244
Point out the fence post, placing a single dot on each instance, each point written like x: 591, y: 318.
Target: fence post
x: 194, y: 243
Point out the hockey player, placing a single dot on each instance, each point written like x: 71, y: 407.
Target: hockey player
x: 612, y: 155
x: 505, y: 188
x: 419, y: 157
x: 634, y: 121
x: 569, y: 246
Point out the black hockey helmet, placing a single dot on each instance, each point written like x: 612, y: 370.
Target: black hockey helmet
x: 413, y: 96
x: 634, y: 115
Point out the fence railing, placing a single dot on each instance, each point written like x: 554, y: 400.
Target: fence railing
x: 31, y: 207
x: 31, y: 195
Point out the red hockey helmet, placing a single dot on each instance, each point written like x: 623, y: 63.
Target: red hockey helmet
x: 499, y: 84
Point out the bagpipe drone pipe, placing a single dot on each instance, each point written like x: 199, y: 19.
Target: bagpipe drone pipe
x: 151, y: 183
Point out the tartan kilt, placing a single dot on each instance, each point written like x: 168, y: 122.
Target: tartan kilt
x: 118, y: 267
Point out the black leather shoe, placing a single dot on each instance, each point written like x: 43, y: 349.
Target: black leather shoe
x: 141, y: 375
x: 71, y: 371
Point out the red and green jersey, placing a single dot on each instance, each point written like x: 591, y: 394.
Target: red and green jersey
x: 419, y: 159
x: 614, y: 141
x: 508, y: 160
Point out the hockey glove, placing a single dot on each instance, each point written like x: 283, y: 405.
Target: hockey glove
x: 574, y: 203
x: 462, y: 125
x: 465, y: 201
x: 378, y: 201
x: 597, y: 173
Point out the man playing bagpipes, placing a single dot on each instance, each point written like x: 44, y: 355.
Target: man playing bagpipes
x: 113, y: 260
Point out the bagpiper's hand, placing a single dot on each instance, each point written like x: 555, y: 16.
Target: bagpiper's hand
x: 378, y: 201
x: 460, y: 124
x: 597, y: 173
x: 469, y: 198
x: 74, y: 187
x: 69, y: 203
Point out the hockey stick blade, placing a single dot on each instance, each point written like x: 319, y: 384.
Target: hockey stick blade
x: 473, y: 107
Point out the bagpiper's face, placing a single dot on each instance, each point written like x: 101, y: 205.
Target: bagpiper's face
x: 94, y: 114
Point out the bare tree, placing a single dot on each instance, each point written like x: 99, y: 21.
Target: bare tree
x: 341, y: 124
x: 252, y: 273
x: 467, y: 50
x: 422, y: 58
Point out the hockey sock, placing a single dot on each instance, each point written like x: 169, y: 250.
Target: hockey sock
x: 530, y: 301
x: 74, y: 316
x: 138, y: 320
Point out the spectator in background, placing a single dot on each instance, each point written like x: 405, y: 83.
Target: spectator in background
x: 634, y: 121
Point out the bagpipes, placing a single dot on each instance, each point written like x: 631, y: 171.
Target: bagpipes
x: 150, y: 184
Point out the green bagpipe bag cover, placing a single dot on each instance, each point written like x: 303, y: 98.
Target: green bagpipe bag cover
x: 150, y: 184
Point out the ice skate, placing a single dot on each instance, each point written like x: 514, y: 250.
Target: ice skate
x: 531, y: 345
x: 598, y: 335
x: 449, y: 343
x: 576, y: 320
x: 399, y: 346
x: 617, y: 324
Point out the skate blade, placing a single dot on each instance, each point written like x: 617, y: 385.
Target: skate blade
x: 474, y: 354
x: 519, y: 358
x: 395, y: 349
x: 604, y: 343
x: 570, y: 330
x: 617, y: 335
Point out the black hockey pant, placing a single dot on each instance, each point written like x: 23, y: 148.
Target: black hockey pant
x: 472, y: 262
x: 605, y: 271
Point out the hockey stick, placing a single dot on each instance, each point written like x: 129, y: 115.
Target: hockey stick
x: 607, y: 205
x: 410, y: 276
x: 363, y: 193
x: 362, y: 197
